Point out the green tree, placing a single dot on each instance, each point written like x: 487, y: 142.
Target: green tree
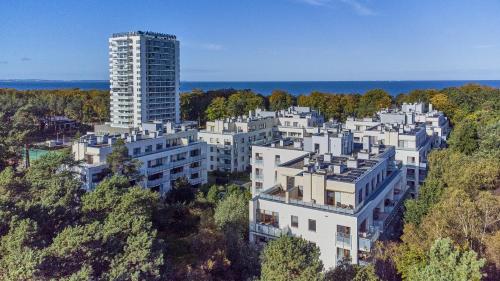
x: 291, y: 258
x: 242, y: 102
x: 464, y: 137
x: 372, y: 101
x: 121, y: 163
x: 280, y: 100
x: 181, y: 192
x: 446, y: 263
x: 366, y: 273
x: 217, y: 109
x: 51, y: 230
x: 232, y: 212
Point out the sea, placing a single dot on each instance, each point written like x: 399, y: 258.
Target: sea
x: 264, y: 87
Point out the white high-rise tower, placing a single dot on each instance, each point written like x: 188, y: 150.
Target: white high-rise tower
x: 144, y: 78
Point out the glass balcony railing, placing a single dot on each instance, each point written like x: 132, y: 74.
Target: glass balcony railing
x: 366, y: 240
x: 266, y: 229
x: 258, y: 177
x: 343, y: 240
x: 258, y: 161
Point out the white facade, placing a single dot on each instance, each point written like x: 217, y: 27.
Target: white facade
x: 342, y: 204
x: 166, y: 154
x: 144, y: 78
x: 230, y: 140
x: 296, y: 122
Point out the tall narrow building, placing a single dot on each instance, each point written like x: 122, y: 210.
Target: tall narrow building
x: 144, y: 78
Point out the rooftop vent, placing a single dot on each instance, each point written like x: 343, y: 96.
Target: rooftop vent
x: 327, y: 158
x: 363, y: 154
x: 352, y: 163
x: 339, y: 168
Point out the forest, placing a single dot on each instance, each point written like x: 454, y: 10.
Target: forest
x: 51, y: 230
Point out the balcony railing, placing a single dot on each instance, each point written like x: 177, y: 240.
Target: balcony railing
x: 258, y: 161
x: 258, y: 177
x: 268, y: 230
x: 343, y: 240
x: 367, y: 241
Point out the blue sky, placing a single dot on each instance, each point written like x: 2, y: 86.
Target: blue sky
x: 260, y: 40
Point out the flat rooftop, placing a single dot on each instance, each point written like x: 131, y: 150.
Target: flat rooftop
x: 350, y: 168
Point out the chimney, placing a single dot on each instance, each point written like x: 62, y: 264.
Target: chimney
x: 352, y: 163
x: 327, y: 157
x: 306, y: 160
x: 364, y: 155
x: 339, y: 169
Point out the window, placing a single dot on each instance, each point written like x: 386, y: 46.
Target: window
x: 149, y: 148
x: 159, y: 146
x: 312, y: 225
x: 360, y: 196
x: 401, y: 143
x: 300, y: 191
x: 277, y: 159
x: 137, y: 151
x: 258, y: 185
x: 410, y: 159
x: 268, y: 218
x: 330, y: 197
x: 294, y: 221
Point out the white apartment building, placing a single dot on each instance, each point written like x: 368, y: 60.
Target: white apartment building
x: 267, y: 156
x: 229, y: 140
x: 166, y: 153
x: 412, y: 147
x: 436, y: 123
x: 340, y: 203
x: 296, y: 122
x: 144, y: 78
x: 414, y: 130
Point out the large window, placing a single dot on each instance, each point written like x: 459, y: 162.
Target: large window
x: 312, y: 225
x: 294, y: 221
x: 268, y: 217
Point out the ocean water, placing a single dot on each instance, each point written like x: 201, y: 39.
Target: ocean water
x: 265, y: 88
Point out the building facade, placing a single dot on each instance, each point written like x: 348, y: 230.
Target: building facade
x: 144, y: 78
x: 166, y: 153
x: 340, y: 203
x: 230, y: 140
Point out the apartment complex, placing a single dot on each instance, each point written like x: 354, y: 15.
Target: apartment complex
x: 341, y: 186
x: 166, y: 152
x: 340, y: 203
x: 267, y: 156
x: 296, y: 121
x: 229, y: 140
x: 413, y: 130
x: 144, y: 78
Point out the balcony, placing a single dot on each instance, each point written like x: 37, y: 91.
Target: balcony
x: 155, y: 182
x: 343, y: 240
x: 366, y: 240
x: 267, y: 230
x: 259, y: 162
x: 258, y: 176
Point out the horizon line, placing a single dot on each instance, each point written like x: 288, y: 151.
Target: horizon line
x: 253, y: 81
